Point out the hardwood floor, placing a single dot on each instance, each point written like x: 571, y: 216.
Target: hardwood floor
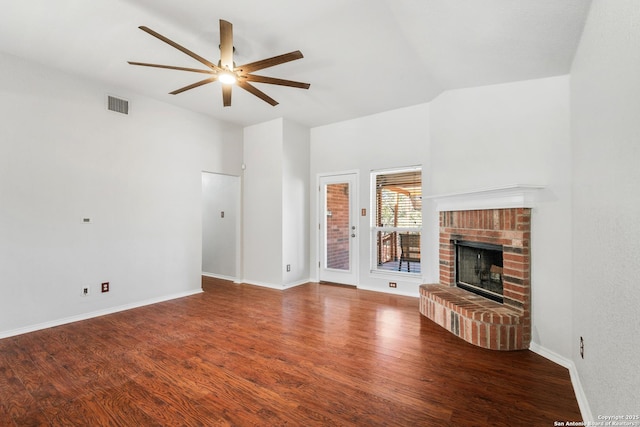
x: 243, y: 355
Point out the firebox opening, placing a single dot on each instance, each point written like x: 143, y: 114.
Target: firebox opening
x: 479, y: 268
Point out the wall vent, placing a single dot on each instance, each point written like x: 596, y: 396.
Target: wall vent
x: 118, y: 105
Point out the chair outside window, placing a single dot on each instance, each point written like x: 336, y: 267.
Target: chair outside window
x: 409, y: 250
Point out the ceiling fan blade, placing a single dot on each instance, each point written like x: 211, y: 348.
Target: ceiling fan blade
x: 270, y: 62
x: 171, y: 67
x: 257, y: 92
x: 275, y: 81
x: 194, y: 85
x: 226, y: 44
x: 226, y: 95
x: 180, y: 48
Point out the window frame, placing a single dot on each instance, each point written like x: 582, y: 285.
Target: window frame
x: 374, y: 228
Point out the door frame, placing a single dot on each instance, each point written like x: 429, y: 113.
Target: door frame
x: 354, y: 219
x: 237, y: 191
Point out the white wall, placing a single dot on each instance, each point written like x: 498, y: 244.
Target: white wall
x: 64, y: 157
x: 393, y: 139
x: 220, y: 234
x: 517, y: 133
x: 605, y: 102
x: 276, y: 204
x: 295, y: 203
x: 262, y: 204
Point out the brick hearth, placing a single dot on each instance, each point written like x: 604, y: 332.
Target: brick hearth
x: 478, y: 320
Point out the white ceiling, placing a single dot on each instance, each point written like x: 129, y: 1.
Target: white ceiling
x: 361, y: 56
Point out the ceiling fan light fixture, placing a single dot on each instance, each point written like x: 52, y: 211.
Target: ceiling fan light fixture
x: 227, y: 78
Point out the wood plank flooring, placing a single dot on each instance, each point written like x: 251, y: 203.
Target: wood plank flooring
x: 240, y: 355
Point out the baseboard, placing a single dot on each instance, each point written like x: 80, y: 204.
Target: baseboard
x: 221, y: 277
x: 581, y: 397
x: 298, y: 283
x: 275, y: 285
x: 97, y: 313
x: 390, y: 291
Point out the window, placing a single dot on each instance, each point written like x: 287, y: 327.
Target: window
x: 397, y: 227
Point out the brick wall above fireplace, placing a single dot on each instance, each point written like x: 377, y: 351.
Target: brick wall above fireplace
x: 509, y: 228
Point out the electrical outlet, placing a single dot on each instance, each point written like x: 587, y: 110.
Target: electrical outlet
x: 105, y: 287
x: 288, y: 267
x: 85, y: 292
x: 393, y: 285
x: 582, y: 347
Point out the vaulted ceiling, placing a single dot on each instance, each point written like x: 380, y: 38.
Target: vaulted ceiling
x: 360, y: 56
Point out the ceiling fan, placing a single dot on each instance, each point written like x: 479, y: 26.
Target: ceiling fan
x: 226, y: 72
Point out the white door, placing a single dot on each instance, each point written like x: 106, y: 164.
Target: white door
x: 338, y: 229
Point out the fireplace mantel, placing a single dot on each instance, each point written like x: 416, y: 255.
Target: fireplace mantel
x: 504, y: 197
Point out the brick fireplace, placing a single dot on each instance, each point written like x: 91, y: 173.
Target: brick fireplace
x: 475, y: 318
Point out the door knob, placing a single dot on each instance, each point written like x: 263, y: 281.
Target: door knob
x: 353, y: 235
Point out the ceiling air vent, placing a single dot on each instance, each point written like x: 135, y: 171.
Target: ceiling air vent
x: 118, y: 105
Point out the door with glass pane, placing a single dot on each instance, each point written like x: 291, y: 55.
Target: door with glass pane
x: 338, y: 229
